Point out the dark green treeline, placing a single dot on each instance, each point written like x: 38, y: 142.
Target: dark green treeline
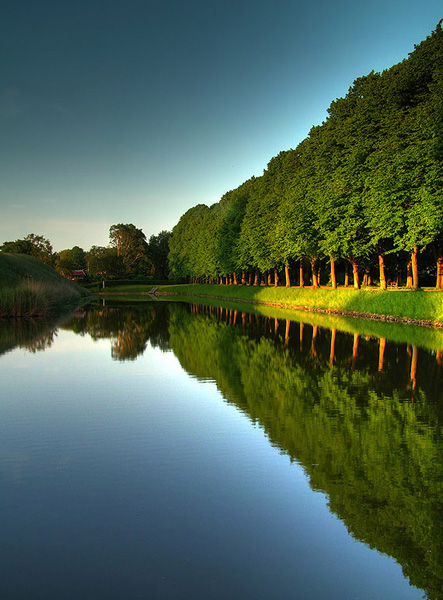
x: 362, y: 192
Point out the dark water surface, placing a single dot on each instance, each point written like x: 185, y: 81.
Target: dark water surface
x: 174, y: 451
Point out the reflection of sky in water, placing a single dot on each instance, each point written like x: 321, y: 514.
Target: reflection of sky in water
x: 133, y: 480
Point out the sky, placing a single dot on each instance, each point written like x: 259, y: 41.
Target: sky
x: 133, y: 111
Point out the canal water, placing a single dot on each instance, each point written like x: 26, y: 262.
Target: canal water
x: 175, y: 451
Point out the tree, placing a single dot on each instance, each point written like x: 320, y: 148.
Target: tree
x: 70, y: 260
x: 104, y: 263
x: 32, y: 244
x: 158, y: 250
x: 131, y: 246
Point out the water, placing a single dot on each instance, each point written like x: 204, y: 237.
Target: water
x: 174, y: 451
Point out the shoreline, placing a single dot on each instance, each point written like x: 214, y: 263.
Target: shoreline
x: 312, y: 309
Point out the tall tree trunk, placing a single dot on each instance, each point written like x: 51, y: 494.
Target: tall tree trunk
x: 333, y: 275
x: 438, y: 254
x: 381, y: 266
x: 314, y: 266
x: 256, y: 274
x: 287, y: 277
x: 355, y: 275
x: 409, y: 274
x: 275, y: 277
x: 439, y: 282
x: 302, y: 283
x: 243, y: 277
x: 366, y: 278
x: 269, y: 278
x: 235, y: 278
x: 346, y: 275
x: 250, y: 278
x: 414, y: 269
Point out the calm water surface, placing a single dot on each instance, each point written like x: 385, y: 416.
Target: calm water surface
x: 173, y: 451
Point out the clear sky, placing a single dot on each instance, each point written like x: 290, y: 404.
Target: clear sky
x: 132, y: 111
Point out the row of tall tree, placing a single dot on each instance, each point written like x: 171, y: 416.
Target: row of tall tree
x: 128, y: 254
x: 365, y: 188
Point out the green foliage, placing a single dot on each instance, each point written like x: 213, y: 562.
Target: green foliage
x: 366, y: 182
x: 158, y: 250
x: 33, y: 245
x: 70, y: 260
x: 131, y: 247
x: 104, y: 263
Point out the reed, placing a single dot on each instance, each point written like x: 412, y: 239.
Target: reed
x: 33, y: 298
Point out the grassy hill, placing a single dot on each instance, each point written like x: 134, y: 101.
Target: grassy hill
x: 30, y: 288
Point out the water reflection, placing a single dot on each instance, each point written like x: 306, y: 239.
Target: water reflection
x: 362, y: 414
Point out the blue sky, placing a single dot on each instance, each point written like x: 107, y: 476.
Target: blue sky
x: 132, y: 111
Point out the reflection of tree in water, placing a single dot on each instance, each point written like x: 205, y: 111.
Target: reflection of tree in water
x: 129, y: 328
x: 33, y: 335
x: 363, y: 416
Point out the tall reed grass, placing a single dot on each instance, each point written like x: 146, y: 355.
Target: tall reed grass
x: 32, y: 298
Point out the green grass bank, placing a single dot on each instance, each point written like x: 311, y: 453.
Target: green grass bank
x: 29, y: 288
x: 420, y: 307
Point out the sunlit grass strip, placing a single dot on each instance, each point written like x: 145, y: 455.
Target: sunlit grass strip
x: 33, y: 298
x: 391, y: 304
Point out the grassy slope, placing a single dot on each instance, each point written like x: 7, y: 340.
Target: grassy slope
x: 28, y: 287
x: 396, y: 304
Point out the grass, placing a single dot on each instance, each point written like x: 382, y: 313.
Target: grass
x: 417, y: 306
x: 28, y: 288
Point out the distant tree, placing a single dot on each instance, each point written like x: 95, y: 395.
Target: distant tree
x: 158, y: 250
x: 131, y: 246
x: 70, y: 259
x: 104, y: 263
x: 32, y: 244
x: 17, y: 247
x: 183, y: 245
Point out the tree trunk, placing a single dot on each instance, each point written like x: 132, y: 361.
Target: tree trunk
x: 333, y: 275
x: 381, y: 266
x: 235, y: 279
x: 414, y: 269
x: 439, y: 282
x: 355, y: 275
x: 346, y: 276
x: 269, y: 278
x: 409, y: 275
x: 366, y: 278
x: 302, y: 284
x: 243, y: 277
x: 275, y: 277
x: 256, y: 277
x: 313, y: 262
x: 288, y: 279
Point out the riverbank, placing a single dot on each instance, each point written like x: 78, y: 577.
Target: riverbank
x: 28, y: 288
x: 417, y: 307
